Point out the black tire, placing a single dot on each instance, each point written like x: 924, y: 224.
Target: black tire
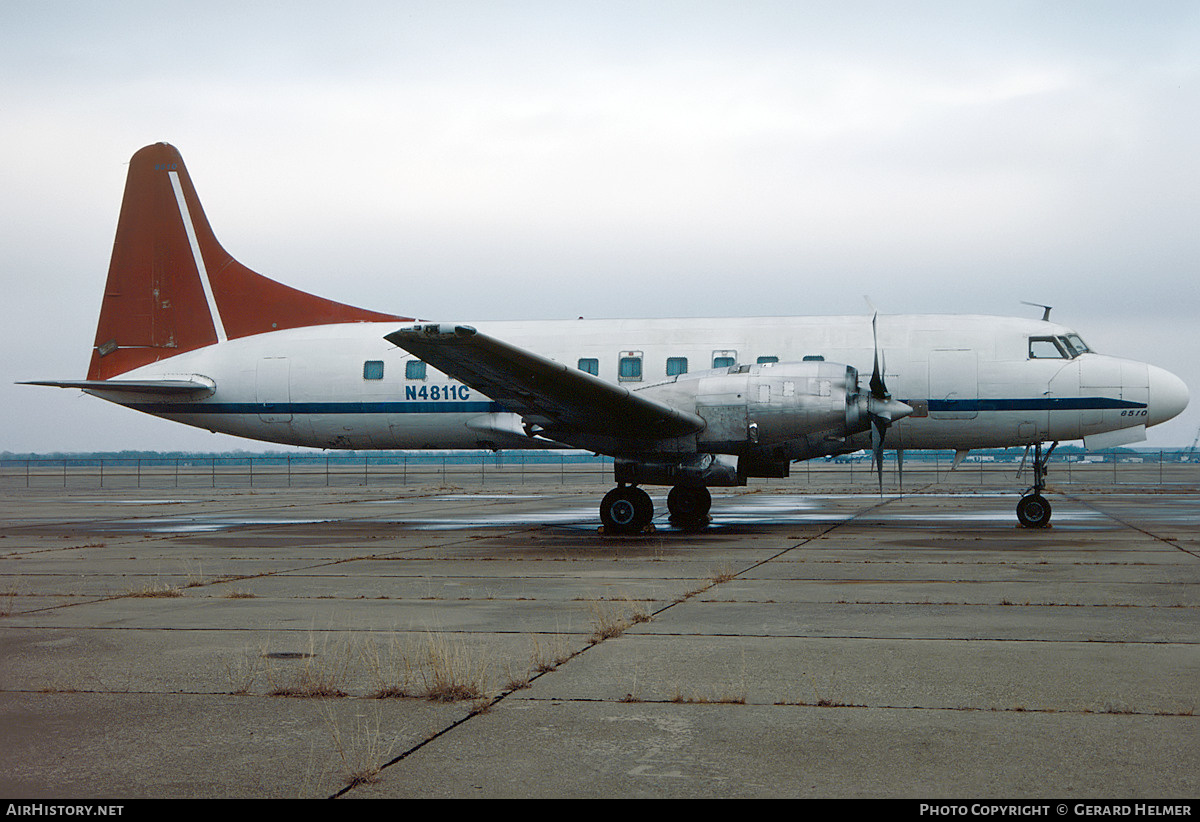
x: 626, y: 510
x: 1033, y: 511
x: 689, y: 504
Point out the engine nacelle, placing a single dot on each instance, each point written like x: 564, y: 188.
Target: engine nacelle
x: 774, y: 411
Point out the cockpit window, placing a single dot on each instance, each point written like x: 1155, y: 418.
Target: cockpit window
x: 1046, y: 348
x: 1079, y: 345
x: 1057, y: 348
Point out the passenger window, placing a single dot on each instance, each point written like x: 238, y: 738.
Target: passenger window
x: 762, y: 360
x: 414, y: 370
x: 373, y: 370
x: 590, y: 365
x: 1045, y: 348
x: 676, y: 365
x: 724, y: 359
x: 814, y: 358
x: 630, y: 366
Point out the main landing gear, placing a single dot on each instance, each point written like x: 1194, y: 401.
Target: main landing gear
x: 628, y: 509
x: 1033, y: 510
x: 689, y: 505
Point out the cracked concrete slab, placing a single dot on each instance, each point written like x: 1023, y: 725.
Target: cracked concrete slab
x: 446, y: 643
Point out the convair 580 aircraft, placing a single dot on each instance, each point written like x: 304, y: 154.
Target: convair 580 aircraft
x: 188, y: 333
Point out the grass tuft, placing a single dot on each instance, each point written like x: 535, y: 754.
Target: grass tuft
x: 319, y: 676
x: 451, y: 672
x: 611, y: 618
x: 155, y: 589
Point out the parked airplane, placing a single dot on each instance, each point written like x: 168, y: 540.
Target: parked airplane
x: 188, y: 333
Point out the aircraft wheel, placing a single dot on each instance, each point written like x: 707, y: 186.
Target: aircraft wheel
x: 626, y: 510
x: 1033, y: 511
x: 689, y: 505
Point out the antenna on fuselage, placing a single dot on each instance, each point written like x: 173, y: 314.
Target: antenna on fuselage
x: 1045, y: 312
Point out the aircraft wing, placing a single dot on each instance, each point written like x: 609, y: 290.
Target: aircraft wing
x: 560, y: 400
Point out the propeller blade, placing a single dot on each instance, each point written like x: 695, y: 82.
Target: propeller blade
x: 878, y: 389
x: 878, y: 431
x: 882, y: 410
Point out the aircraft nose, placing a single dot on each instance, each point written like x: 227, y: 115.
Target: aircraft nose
x: 1168, y: 396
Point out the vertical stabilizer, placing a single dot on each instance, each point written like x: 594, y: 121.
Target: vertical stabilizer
x: 172, y: 287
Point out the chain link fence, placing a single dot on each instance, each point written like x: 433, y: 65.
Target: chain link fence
x: 516, y: 468
x: 301, y: 471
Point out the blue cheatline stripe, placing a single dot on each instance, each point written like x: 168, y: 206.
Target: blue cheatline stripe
x: 1034, y: 404
x: 453, y: 407
x: 316, y: 407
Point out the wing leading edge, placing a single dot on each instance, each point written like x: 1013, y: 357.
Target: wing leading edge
x: 554, y: 400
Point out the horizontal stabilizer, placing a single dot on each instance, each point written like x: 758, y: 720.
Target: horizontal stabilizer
x: 193, y: 386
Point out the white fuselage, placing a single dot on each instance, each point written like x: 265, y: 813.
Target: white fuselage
x: 971, y: 379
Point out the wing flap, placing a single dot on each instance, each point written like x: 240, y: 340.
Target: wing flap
x: 553, y: 396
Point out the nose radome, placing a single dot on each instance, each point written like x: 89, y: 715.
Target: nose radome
x: 1168, y: 396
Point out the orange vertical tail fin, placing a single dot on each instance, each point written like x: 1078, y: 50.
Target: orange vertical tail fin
x: 172, y: 287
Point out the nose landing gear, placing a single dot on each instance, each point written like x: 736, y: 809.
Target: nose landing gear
x: 1033, y: 510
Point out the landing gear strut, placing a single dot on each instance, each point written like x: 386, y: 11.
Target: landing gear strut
x: 1033, y: 510
x: 626, y: 509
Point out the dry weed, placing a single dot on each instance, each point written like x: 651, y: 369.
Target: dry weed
x: 155, y: 589
x: 363, y: 751
x: 321, y: 674
x: 450, y: 672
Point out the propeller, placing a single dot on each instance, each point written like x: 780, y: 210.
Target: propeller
x: 882, y: 410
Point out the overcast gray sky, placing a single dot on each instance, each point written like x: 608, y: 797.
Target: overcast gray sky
x: 508, y: 160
